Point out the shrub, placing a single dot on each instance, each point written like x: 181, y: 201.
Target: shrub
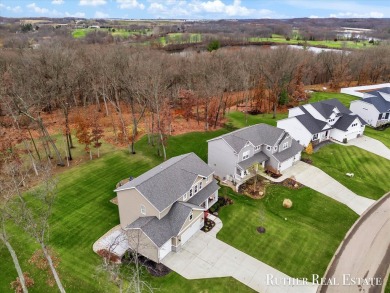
x: 213, y: 45
x: 309, y: 149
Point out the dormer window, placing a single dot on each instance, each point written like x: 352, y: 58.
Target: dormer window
x: 275, y: 148
x: 195, y: 189
x: 191, y: 192
x: 257, y: 148
x: 200, y: 185
x: 185, y: 196
x: 269, y: 148
x: 245, y: 155
x: 143, y: 209
x: 285, y: 145
x: 191, y: 216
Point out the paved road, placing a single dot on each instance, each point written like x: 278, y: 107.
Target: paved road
x: 372, y: 145
x: 317, y: 179
x: 365, y: 252
x: 204, y: 256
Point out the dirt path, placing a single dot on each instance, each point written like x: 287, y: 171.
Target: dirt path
x: 364, y: 255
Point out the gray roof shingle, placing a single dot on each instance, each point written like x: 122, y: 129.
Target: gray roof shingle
x: 257, y: 158
x: 336, y: 103
x: 345, y: 121
x: 160, y: 231
x: 324, y: 109
x: 378, y: 101
x: 310, y: 123
x: 257, y: 134
x: 204, y: 194
x: 290, y: 152
x: 165, y: 184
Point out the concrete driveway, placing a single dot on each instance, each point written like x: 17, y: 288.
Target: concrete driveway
x: 318, y: 180
x: 372, y: 145
x: 364, y: 253
x: 204, y: 256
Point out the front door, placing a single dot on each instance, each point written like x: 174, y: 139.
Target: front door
x: 327, y: 134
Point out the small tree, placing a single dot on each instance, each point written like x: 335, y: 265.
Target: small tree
x: 213, y: 45
x: 96, y: 134
x: 83, y: 134
x: 309, y: 149
x: 17, y: 285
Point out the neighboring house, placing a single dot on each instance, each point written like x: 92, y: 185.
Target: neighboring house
x: 161, y: 209
x: 237, y: 155
x: 322, y: 121
x: 374, y: 107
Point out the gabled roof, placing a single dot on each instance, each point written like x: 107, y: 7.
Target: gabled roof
x: 203, y: 194
x: 165, y: 184
x: 256, y: 158
x: 289, y: 152
x: 345, y: 121
x: 160, y: 231
x: 310, y: 123
x: 377, y: 100
x: 336, y: 103
x: 257, y: 134
x: 324, y: 109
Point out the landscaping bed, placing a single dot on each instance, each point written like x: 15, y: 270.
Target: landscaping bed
x: 208, y: 225
x: 291, y: 183
x: 254, y: 187
x: 222, y: 201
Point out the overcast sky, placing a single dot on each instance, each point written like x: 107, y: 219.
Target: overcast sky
x: 195, y: 9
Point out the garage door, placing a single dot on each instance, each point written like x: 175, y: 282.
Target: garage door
x: 286, y: 164
x: 165, y: 249
x: 191, y: 231
x: 352, y: 135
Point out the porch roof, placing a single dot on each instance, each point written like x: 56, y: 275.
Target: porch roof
x: 257, y: 158
x: 204, y: 194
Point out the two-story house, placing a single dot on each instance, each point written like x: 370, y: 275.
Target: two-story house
x: 237, y: 155
x: 374, y: 107
x: 161, y: 209
x: 322, y: 121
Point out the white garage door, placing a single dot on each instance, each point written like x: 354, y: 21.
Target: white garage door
x: 165, y: 249
x: 191, y: 230
x: 286, y: 164
x: 352, y: 135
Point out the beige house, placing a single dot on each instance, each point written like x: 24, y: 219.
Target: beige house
x: 161, y: 209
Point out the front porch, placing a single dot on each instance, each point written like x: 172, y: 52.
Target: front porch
x: 320, y: 137
x: 212, y: 199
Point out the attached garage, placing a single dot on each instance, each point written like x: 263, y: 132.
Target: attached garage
x: 165, y: 249
x: 352, y: 135
x: 286, y: 164
x: 195, y: 227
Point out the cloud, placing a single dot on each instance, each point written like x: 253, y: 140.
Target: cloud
x: 128, y: 4
x: 202, y: 9
x: 76, y: 14
x: 100, y: 14
x: 372, y: 14
x: 92, y: 2
x: 57, y: 2
x: 37, y: 9
x: 314, y: 16
x: 14, y: 9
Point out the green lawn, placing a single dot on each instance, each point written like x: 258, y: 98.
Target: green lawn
x: 370, y: 178
x: 177, y: 38
x: 82, y: 32
x: 321, y: 96
x: 299, y: 246
x: 382, y: 135
x: 237, y: 119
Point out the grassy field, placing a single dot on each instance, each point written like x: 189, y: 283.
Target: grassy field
x: 328, y: 43
x: 321, y: 96
x: 177, y: 38
x: 370, y: 180
x: 82, y: 32
x: 382, y: 135
x: 237, y: 119
x: 299, y: 246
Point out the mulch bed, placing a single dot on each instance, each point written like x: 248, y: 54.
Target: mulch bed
x: 208, y: 225
x: 291, y: 183
x: 155, y: 269
x: 256, y: 192
x: 308, y: 161
x: 272, y: 174
x: 222, y: 201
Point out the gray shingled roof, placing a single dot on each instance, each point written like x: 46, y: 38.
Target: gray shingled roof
x: 338, y: 104
x: 257, y: 158
x: 310, y: 123
x: 378, y: 101
x: 160, y: 231
x: 166, y: 183
x: 204, y: 194
x: 345, y: 121
x: 324, y: 109
x: 290, y: 152
x: 257, y: 134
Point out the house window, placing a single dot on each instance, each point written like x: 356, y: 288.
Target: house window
x: 257, y: 148
x: 191, y: 192
x: 143, y: 209
x: 191, y: 216
x: 200, y: 185
x: 268, y: 148
x: 275, y: 148
x: 380, y: 117
x: 245, y: 155
x: 195, y: 189
x: 185, y: 196
x: 285, y: 145
x: 387, y: 116
x: 315, y: 136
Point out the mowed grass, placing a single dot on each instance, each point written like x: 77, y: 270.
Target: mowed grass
x: 238, y: 120
x: 321, y: 96
x: 371, y: 178
x: 299, y: 241
x: 381, y: 135
x: 83, y: 213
